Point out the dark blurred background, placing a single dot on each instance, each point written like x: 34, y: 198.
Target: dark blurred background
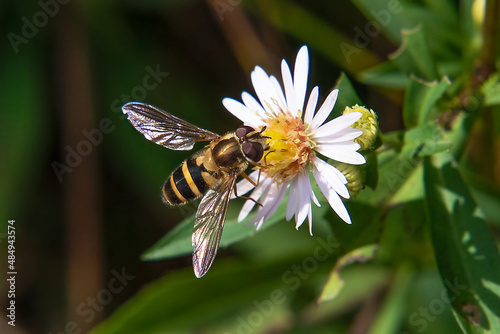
x: 81, y: 184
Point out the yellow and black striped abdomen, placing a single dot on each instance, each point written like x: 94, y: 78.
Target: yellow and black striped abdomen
x: 188, y: 182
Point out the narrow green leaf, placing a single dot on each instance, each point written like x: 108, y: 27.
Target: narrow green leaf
x: 465, y: 251
x: 420, y: 98
x: 177, y: 242
x: 335, y: 283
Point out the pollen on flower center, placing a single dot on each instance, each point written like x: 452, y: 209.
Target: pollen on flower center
x: 290, y: 148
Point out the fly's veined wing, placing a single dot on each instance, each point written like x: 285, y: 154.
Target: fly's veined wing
x: 163, y: 128
x: 208, y: 226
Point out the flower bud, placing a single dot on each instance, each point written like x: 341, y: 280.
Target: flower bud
x: 368, y: 123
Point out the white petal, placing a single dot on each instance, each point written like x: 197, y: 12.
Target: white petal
x: 304, y: 205
x: 253, y: 104
x: 337, y: 124
x: 343, y: 152
x: 239, y: 110
x: 311, y: 105
x: 313, y: 197
x: 263, y: 88
x: 323, y: 167
x: 331, y: 176
x: 325, y: 109
x: 309, y: 218
x: 256, y: 194
x: 293, y: 199
x: 279, y: 92
x: 333, y: 199
x: 342, y: 135
x: 288, y: 84
x: 300, y: 74
x: 270, y: 204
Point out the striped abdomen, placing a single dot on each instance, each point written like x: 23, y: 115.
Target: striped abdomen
x: 188, y: 182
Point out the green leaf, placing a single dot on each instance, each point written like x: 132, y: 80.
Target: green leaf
x: 178, y: 241
x: 439, y: 19
x: 414, y: 56
x: 347, y: 95
x: 491, y: 90
x: 397, y: 165
x: 335, y: 282
x: 489, y: 201
x: 361, y: 282
x: 420, y: 99
x: 424, y: 140
x: 386, y: 74
x: 181, y: 303
x: 466, y: 254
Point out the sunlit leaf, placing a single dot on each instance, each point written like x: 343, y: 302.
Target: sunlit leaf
x: 465, y: 251
x: 491, y: 90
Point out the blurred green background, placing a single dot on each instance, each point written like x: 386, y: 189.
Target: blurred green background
x: 83, y: 185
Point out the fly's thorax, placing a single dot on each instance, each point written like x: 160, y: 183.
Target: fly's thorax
x: 227, y: 154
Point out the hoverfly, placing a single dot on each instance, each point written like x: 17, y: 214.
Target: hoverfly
x: 210, y: 172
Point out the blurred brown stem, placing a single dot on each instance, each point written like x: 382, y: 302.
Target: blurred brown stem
x: 81, y: 200
x: 485, y: 64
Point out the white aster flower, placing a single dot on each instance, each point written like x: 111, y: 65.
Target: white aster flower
x: 296, y: 136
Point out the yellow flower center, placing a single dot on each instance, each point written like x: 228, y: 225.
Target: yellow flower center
x: 290, y: 148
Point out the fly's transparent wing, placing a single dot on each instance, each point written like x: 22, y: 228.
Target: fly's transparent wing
x: 209, y: 223
x: 163, y: 128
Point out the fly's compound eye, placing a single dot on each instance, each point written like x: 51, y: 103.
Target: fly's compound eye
x: 243, y: 130
x: 252, y: 150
